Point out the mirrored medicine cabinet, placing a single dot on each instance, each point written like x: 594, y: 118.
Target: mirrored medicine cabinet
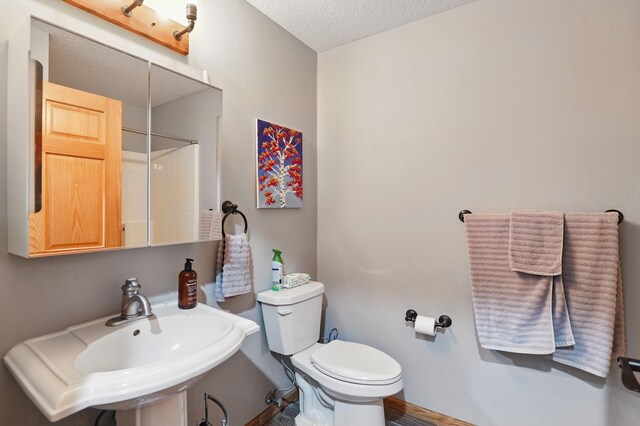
x: 106, y: 150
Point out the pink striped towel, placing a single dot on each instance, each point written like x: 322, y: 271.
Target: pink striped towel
x: 535, y: 247
x: 513, y: 310
x: 593, y: 285
x: 535, y: 242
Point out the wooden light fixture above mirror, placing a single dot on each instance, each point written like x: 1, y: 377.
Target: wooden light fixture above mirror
x: 143, y: 21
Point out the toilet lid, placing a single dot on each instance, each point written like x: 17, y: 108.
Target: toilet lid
x: 356, y: 363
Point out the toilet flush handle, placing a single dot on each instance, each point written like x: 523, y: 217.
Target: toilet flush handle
x: 283, y: 312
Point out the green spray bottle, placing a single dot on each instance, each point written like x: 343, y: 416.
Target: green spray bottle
x: 277, y: 270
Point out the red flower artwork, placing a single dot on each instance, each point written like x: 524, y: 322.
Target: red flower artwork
x: 279, y: 166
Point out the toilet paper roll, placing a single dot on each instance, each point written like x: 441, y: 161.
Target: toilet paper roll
x: 425, y: 325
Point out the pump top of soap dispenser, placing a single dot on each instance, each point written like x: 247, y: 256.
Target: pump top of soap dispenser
x: 188, y: 266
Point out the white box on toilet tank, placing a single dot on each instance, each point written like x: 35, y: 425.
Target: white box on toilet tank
x: 292, y: 317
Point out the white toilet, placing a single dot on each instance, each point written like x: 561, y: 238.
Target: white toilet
x: 340, y: 383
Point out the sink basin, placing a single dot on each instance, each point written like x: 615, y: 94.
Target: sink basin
x: 145, y: 343
x: 124, y: 367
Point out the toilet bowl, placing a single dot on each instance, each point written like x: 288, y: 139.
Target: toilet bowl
x: 343, y: 383
x: 340, y: 383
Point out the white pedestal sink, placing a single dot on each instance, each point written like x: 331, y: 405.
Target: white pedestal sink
x: 144, y: 366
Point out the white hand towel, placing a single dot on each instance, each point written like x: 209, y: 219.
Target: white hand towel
x: 210, y: 225
x: 217, y: 288
x: 295, y: 279
x: 233, y: 276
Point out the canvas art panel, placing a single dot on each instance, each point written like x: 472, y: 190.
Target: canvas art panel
x: 279, y: 166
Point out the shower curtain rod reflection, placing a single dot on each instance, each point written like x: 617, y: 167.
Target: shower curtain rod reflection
x: 160, y: 135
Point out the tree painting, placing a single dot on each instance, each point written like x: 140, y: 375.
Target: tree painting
x: 279, y: 166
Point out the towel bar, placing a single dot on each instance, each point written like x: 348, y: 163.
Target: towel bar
x: 462, y: 213
x: 229, y: 208
x: 628, y: 366
x: 620, y: 215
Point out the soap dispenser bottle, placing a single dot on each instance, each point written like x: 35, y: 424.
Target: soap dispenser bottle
x: 188, y: 287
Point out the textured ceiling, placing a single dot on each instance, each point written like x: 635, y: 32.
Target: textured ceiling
x: 323, y: 24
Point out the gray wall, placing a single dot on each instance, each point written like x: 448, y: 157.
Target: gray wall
x: 492, y: 106
x: 264, y: 72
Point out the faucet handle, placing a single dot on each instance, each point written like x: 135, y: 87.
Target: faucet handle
x: 131, y: 285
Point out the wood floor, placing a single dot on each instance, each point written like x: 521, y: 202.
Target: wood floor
x: 396, y: 412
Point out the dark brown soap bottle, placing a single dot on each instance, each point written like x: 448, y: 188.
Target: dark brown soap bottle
x: 188, y: 287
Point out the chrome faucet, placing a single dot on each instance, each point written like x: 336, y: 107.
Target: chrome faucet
x: 134, y: 305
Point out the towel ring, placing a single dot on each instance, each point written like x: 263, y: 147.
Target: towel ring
x: 620, y: 215
x: 229, y: 208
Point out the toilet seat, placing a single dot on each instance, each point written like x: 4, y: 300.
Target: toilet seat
x: 338, y: 388
x: 356, y: 363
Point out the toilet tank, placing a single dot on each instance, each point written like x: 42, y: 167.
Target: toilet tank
x: 292, y: 317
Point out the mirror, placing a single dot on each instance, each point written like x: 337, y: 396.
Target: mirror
x: 123, y: 153
x: 183, y: 155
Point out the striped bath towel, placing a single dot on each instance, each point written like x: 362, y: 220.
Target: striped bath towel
x: 535, y: 242
x: 513, y: 310
x: 535, y: 247
x: 593, y: 285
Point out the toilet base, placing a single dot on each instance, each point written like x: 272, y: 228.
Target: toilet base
x: 359, y: 413
x: 317, y: 408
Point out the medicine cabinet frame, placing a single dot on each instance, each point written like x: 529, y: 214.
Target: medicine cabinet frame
x: 21, y: 134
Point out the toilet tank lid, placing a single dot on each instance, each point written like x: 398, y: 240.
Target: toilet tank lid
x: 289, y: 296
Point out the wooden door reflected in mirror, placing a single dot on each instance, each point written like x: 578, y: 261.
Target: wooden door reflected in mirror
x: 89, y: 179
x: 80, y: 159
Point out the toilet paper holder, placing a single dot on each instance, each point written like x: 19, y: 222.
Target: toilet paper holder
x: 444, y: 321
